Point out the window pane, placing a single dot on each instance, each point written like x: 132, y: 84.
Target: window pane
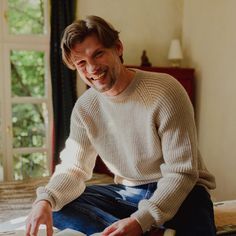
x: 31, y: 165
x: 26, y: 16
x: 27, y: 73
x: 28, y: 122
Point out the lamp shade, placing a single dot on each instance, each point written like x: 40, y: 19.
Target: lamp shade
x: 175, y: 51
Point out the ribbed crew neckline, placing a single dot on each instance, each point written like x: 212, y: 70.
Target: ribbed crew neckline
x: 128, y: 90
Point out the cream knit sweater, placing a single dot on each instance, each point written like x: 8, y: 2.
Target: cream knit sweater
x: 145, y: 134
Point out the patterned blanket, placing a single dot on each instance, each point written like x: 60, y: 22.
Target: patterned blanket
x: 16, y: 197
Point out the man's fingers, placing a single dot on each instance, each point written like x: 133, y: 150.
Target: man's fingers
x: 34, y: 228
x: 28, y: 228
x: 109, y: 230
x: 49, y: 231
x: 41, y: 213
x: 49, y: 228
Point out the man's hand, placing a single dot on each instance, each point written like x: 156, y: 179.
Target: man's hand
x: 125, y: 227
x: 41, y: 213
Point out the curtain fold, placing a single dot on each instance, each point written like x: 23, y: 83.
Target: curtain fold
x: 63, y: 79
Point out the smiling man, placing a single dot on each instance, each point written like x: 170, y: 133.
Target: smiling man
x: 100, y: 67
x: 142, y: 126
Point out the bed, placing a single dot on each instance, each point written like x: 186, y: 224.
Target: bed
x: 16, y: 198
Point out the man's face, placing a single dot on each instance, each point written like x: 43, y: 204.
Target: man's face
x: 99, y: 67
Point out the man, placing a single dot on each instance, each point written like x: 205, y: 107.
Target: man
x: 142, y: 125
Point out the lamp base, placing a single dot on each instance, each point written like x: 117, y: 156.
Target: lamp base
x: 175, y: 63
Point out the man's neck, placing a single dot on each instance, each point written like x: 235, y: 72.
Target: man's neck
x: 126, y: 76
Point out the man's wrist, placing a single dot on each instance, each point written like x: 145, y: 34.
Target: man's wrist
x: 134, y: 219
x: 43, y: 201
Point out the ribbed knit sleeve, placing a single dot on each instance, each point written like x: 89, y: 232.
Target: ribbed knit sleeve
x: 176, y: 129
x: 77, y: 162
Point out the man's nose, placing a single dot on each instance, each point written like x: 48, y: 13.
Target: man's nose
x: 92, y: 66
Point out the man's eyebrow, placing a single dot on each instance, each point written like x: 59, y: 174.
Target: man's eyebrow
x: 97, y: 51
x: 76, y: 57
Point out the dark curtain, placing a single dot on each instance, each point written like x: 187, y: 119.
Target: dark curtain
x: 63, y: 79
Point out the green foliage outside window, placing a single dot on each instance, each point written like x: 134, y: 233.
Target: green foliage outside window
x: 30, y: 165
x: 26, y: 16
x: 28, y: 125
x: 28, y: 73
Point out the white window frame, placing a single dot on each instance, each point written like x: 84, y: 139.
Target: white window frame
x: 26, y: 43
x: 2, y: 126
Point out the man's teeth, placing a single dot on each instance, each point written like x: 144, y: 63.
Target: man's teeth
x: 99, y: 76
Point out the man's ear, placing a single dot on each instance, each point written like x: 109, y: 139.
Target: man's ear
x: 119, y: 48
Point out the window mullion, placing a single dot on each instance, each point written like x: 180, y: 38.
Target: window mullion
x: 28, y: 100
x: 27, y: 39
x: 48, y: 94
x: 2, y: 120
x: 28, y: 150
x: 7, y: 115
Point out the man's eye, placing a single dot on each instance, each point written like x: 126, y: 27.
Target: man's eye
x: 80, y: 63
x: 99, y: 54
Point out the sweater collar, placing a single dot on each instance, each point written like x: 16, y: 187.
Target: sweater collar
x: 128, y: 91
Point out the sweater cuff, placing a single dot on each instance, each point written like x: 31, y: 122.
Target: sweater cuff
x: 144, y: 218
x: 43, y: 195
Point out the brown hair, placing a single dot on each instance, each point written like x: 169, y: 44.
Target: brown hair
x: 80, y: 29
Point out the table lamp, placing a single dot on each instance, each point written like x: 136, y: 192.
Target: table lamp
x: 175, y: 54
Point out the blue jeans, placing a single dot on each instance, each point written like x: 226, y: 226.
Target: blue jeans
x: 101, y: 205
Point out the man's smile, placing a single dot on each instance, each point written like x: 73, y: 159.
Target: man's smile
x: 97, y: 77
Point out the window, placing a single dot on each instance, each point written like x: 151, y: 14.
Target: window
x: 25, y: 92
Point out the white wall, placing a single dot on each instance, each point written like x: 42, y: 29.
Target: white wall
x: 149, y: 24
x: 209, y: 37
